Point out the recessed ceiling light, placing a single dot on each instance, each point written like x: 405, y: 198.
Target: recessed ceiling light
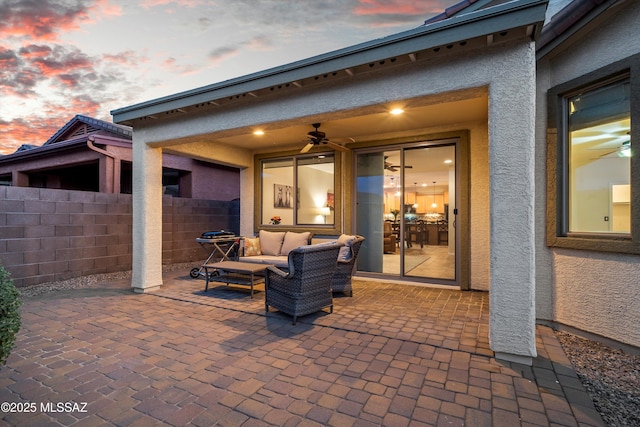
x: 258, y: 132
x: 396, y: 111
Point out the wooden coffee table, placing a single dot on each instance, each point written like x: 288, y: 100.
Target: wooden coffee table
x: 238, y: 273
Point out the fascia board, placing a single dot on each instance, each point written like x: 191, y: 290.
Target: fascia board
x: 515, y: 14
x: 44, y: 150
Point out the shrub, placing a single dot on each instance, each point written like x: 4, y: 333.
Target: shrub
x: 9, y: 314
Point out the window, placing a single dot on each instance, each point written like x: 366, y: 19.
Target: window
x: 599, y: 163
x: 298, y: 190
x: 591, y: 161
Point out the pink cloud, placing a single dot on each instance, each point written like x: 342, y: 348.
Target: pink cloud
x: 126, y: 58
x: 44, y: 20
x: 55, y: 61
x: 52, y: 116
x: 41, y: 20
x: 398, y: 7
x: 172, y: 65
x: 104, y: 7
x: 33, y: 131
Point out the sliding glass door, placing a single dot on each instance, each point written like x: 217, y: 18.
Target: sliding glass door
x: 406, y: 205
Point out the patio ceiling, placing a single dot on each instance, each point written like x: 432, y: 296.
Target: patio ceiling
x: 361, y: 126
x: 374, y: 124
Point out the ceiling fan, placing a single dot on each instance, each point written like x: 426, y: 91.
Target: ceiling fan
x: 621, y: 149
x: 317, y: 137
x: 624, y: 150
x: 391, y: 167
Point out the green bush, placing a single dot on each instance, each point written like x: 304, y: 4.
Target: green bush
x: 9, y: 314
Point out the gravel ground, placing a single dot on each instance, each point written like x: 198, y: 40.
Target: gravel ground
x: 610, y: 376
x: 80, y: 282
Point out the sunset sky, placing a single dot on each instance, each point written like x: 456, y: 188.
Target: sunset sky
x: 59, y: 58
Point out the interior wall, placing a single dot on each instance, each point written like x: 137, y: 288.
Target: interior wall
x: 314, y: 186
x: 588, y: 212
x: 276, y: 176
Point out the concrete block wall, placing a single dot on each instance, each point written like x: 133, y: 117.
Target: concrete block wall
x: 49, y: 235
x: 183, y: 220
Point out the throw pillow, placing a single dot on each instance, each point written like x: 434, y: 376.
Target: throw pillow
x: 271, y: 242
x: 345, y: 251
x: 293, y: 240
x: 252, y: 247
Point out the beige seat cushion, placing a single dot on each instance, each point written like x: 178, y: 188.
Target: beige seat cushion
x: 271, y: 242
x: 294, y: 240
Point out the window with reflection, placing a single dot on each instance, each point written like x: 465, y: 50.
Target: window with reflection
x: 599, y: 154
x: 298, y: 190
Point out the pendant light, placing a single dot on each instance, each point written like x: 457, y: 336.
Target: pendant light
x: 434, y: 204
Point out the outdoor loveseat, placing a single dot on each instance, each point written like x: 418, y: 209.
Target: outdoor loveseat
x: 273, y: 248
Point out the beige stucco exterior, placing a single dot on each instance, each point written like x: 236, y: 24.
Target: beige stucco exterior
x: 591, y: 291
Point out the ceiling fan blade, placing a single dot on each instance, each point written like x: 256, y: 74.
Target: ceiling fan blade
x: 307, y: 147
x: 337, y: 146
x: 610, y: 152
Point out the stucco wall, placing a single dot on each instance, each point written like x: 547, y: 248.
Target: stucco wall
x: 598, y: 293
x: 594, y: 292
x: 48, y: 235
x: 480, y: 207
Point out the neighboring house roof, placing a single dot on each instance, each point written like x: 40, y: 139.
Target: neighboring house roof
x: 25, y: 147
x: 431, y: 41
x: 82, y: 125
x: 74, y: 134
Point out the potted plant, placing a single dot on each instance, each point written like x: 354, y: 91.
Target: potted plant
x: 275, y: 220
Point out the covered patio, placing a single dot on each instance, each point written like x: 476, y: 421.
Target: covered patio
x: 390, y: 355
x: 467, y: 79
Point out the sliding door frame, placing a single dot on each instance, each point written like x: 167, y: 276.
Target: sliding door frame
x: 462, y: 206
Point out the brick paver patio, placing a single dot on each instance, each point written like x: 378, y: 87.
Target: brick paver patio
x: 391, y: 355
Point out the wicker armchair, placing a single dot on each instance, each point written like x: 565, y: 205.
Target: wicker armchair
x: 306, y: 287
x: 346, y: 265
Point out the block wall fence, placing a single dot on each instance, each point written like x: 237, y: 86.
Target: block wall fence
x: 49, y: 235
